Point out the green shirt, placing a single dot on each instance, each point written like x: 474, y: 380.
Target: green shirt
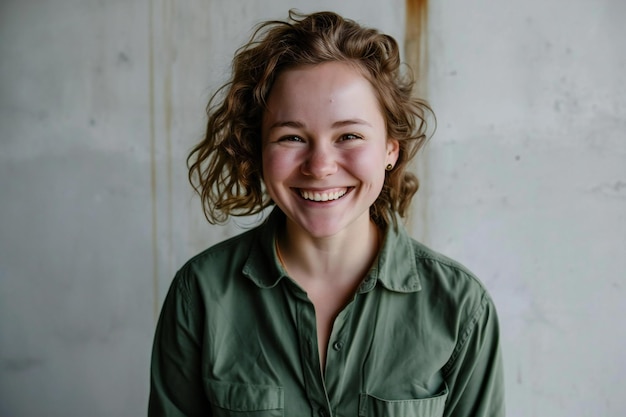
x: 237, y: 337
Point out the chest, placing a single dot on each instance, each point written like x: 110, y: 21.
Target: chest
x: 328, y: 304
x: 378, y: 347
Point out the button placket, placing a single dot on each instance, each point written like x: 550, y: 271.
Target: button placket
x: 316, y: 390
x: 337, y: 354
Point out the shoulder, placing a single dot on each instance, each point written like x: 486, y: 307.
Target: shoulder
x: 236, y: 246
x: 451, y: 283
x: 406, y: 265
x: 432, y: 263
x: 456, y: 295
x: 216, y: 265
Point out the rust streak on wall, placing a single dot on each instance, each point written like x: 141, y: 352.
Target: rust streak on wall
x: 153, y: 165
x: 416, y: 42
x: 416, y: 56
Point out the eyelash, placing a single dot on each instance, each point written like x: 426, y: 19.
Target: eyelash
x: 350, y: 136
x: 342, y: 138
x: 292, y: 138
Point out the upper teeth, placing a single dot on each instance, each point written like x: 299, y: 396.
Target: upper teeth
x: 322, y: 196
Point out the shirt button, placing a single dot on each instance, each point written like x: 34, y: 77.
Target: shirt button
x: 338, y: 346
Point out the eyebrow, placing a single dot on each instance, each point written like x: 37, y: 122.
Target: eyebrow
x: 337, y: 124
x: 342, y: 123
x: 287, y: 123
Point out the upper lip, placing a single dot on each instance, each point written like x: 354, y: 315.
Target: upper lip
x: 322, y: 189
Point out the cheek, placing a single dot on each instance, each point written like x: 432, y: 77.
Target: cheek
x: 277, y: 165
x: 369, y: 162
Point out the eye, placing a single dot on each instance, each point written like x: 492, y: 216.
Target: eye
x: 349, y: 136
x: 291, y: 138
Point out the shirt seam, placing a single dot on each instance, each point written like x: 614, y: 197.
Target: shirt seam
x: 468, y: 330
x: 183, y: 290
x: 451, y: 264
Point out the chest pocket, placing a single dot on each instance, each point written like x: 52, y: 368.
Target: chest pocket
x: 371, y: 406
x: 244, y: 400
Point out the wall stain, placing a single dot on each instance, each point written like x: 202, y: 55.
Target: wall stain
x: 416, y: 42
x: 161, y: 67
x: 416, y: 56
x: 21, y: 364
x: 123, y: 59
x: 610, y: 189
x: 168, y: 16
x: 153, y: 170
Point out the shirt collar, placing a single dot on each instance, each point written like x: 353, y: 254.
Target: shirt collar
x: 263, y: 266
x: 394, y: 268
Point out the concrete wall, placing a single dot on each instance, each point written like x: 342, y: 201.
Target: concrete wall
x: 524, y: 182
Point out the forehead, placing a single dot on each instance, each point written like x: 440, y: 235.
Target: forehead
x: 334, y: 73
x: 332, y: 86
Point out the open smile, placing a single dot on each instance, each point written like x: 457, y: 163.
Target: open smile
x: 323, y: 195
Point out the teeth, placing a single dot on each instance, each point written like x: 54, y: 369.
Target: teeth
x: 315, y: 196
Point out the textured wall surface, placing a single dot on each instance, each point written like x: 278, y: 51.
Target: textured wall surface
x: 526, y: 185
x: 524, y: 182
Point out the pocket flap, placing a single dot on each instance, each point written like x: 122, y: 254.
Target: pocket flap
x: 371, y: 406
x: 244, y: 397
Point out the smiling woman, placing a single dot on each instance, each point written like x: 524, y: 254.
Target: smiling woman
x: 328, y: 307
x: 324, y: 135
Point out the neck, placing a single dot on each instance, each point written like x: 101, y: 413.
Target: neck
x: 341, y: 259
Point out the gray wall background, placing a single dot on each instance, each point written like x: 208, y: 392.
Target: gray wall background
x: 524, y: 182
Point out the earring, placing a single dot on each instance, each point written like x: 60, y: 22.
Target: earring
x: 389, y: 167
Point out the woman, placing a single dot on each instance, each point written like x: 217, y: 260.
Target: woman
x: 328, y: 308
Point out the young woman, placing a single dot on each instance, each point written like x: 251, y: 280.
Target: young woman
x: 328, y: 308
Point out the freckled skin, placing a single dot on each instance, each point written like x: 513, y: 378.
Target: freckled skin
x: 323, y: 130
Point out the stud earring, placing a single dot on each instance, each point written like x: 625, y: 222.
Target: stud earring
x: 389, y: 167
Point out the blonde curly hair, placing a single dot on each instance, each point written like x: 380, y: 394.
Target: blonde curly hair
x: 225, y: 167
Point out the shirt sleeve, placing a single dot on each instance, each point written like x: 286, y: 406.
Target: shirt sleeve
x: 474, y: 373
x: 176, y: 385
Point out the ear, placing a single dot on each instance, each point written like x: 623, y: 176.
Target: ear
x: 393, y: 151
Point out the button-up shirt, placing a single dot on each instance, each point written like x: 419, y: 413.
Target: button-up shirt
x: 237, y: 337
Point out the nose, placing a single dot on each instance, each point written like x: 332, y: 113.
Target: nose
x: 320, y: 162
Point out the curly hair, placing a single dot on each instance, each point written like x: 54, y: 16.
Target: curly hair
x: 225, y: 167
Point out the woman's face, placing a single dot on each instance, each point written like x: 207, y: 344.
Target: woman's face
x: 325, y: 148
